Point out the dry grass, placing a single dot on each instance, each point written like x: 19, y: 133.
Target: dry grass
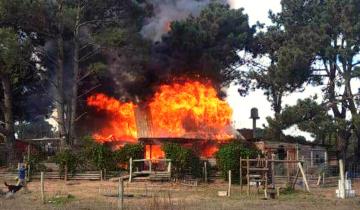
x: 157, y: 196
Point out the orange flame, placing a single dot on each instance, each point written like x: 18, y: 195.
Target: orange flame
x: 191, y: 109
x: 154, y: 152
x: 209, y: 151
x: 121, y: 126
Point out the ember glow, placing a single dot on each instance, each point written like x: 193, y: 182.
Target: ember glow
x: 188, y: 109
x: 121, y: 119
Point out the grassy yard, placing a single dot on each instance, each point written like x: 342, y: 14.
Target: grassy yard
x: 146, y: 195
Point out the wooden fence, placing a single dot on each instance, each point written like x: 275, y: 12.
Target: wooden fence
x: 87, y: 175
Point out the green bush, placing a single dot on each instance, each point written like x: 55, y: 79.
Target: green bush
x: 35, y: 163
x: 183, y: 160
x: 68, y: 158
x: 100, y: 156
x: 228, y: 157
x: 135, y: 151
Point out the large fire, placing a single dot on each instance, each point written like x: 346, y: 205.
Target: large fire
x: 189, y: 109
x: 121, y: 124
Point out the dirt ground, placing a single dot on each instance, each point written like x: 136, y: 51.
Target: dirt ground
x: 146, y: 195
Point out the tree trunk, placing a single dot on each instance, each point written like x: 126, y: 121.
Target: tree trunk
x: 59, y: 97
x: 74, y: 91
x: 277, y: 106
x: 9, y: 119
x: 59, y: 90
x: 343, y: 143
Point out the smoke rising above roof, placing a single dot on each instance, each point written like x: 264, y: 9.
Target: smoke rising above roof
x: 166, y: 11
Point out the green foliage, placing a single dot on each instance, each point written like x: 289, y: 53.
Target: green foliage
x: 210, y: 42
x: 228, y: 157
x: 69, y: 159
x: 183, y: 160
x: 308, y: 115
x: 100, y: 155
x: 35, y: 163
x: 135, y: 151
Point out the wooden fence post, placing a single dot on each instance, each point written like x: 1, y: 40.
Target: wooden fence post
x: 248, y: 175
x: 130, y: 170
x: 150, y: 166
x: 240, y: 178
x: 288, y: 166
x: 66, y: 173
x: 42, y: 187
x: 28, y: 173
x: 101, y: 175
x: 266, y: 177
x: 205, y: 172
x: 121, y: 194
x: 28, y: 153
x: 273, y: 170
x: 229, y: 188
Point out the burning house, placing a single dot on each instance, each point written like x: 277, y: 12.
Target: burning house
x: 189, y: 113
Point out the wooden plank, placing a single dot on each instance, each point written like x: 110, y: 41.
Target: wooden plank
x: 304, y: 177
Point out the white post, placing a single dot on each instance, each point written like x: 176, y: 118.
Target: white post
x: 130, y: 170
x: 326, y: 158
x: 169, y: 167
x: 311, y: 158
x: 229, y: 188
x: 342, y: 192
x: 42, y: 187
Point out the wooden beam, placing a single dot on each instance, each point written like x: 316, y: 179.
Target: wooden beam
x: 248, y: 175
x: 304, y: 177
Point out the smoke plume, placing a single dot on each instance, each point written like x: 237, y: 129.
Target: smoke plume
x: 166, y: 11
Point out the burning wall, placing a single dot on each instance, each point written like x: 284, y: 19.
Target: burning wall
x: 187, y: 109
